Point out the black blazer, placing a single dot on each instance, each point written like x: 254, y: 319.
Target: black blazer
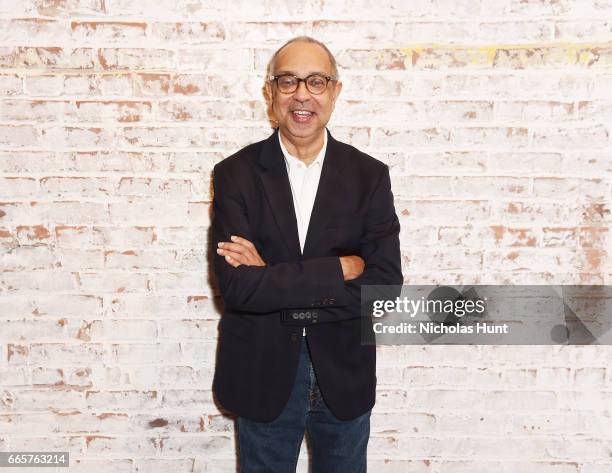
x: 353, y: 214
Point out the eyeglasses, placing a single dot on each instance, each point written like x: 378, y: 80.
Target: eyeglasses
x: 315, y: 83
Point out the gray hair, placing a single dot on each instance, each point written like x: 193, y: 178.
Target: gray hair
x: 303, y: 39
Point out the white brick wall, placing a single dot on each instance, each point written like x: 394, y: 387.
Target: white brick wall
x: 495, y: 117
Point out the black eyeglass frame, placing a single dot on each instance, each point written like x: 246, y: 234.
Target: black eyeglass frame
x: 328, y: 78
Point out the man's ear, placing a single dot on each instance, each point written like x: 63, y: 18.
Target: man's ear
x: 337, y: 90
x: 269, y: 98
x: 267, y: 92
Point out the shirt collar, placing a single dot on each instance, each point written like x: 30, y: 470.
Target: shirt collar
x: 291, y: 161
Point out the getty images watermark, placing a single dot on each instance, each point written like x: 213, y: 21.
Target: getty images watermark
x: 483, y: 315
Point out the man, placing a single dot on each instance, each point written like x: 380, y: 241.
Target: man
x: 301, y: 221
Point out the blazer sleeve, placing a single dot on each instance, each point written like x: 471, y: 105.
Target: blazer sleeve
x: 264, y: 289
x: 380, y: 249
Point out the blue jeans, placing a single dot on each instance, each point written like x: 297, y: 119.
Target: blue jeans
x: 337, y: 446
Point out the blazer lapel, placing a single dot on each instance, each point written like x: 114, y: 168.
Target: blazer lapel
x: 331, y: 188
x: 278, y: 192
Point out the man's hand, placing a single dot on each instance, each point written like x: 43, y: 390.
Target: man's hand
x: 352, y: 266
x: 240, y: 251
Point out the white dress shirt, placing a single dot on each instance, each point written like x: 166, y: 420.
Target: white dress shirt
x: 304, y: 182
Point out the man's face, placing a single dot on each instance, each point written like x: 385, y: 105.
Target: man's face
x: 302, y: 59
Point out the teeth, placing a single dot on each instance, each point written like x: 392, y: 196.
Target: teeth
x: 302, y: 112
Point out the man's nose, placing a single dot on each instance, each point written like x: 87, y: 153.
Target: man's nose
x: 301, y: 93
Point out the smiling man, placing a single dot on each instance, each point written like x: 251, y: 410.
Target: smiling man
x: 300, y: 222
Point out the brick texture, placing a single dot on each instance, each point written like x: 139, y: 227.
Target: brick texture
x: 495, y: 118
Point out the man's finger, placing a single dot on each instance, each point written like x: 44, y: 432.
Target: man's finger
x: 251, y: 255
x: 244, y: 251
x: 238, y: 257
x: 232, y: 261
x: 234, y: 247
x: 242, y: 241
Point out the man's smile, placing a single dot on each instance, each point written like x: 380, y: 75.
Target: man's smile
x: 302, y: 116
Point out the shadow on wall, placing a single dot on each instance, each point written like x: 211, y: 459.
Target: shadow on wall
x: 219, y: 308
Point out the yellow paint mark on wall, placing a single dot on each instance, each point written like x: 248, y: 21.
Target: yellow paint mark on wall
x: 581, y: 53
x: 495, y: 47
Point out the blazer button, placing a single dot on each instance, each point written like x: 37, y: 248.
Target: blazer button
x: 295, y: 315
x: 294, y: 337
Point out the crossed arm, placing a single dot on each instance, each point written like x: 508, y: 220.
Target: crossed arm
x: 242, y: 251
x: 249, y: 284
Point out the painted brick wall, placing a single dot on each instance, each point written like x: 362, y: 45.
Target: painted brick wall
x: 495, y: 117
